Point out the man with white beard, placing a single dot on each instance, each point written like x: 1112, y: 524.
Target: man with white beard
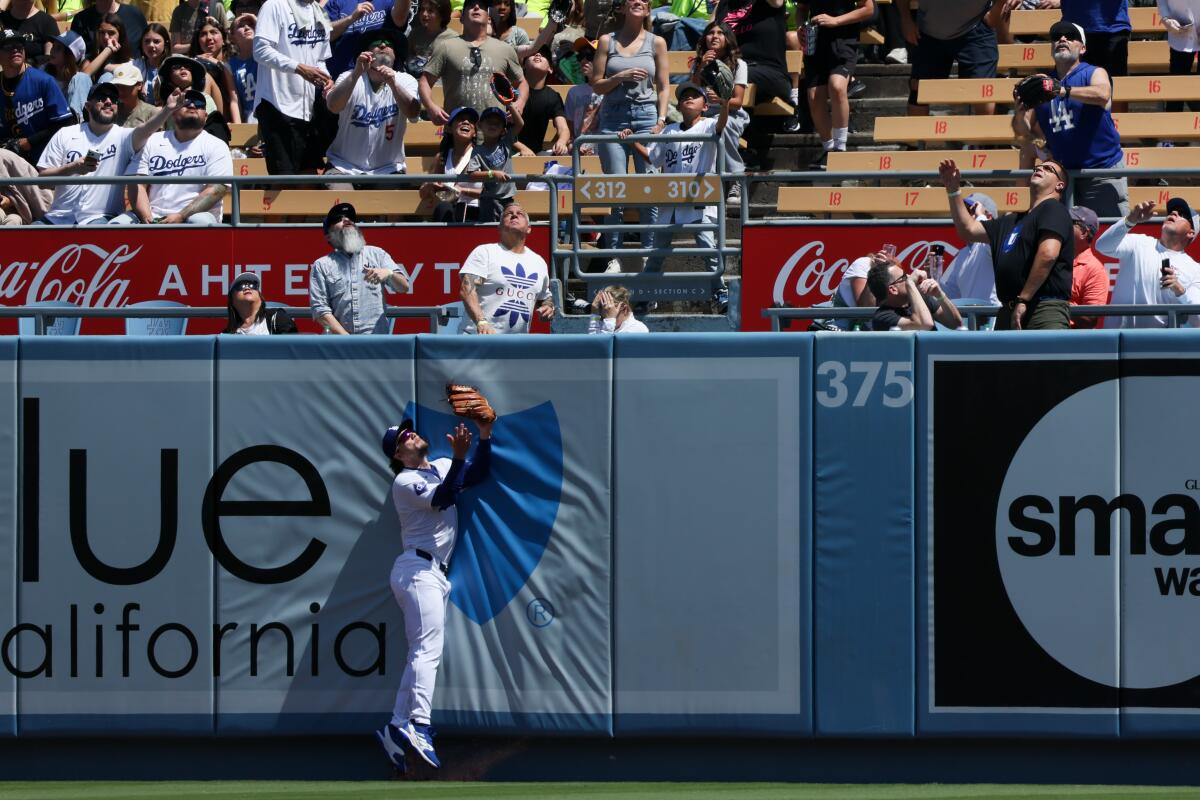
x: 345, y: 288
x: 373, y: 102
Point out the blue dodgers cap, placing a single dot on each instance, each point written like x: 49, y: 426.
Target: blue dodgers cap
x: 1181, y: 207
x: 494, y: 111
x: 460, y: 111
x: 392, y: 435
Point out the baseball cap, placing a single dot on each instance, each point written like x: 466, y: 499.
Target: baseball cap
x: 392, y: 37
x: 245, y: 277
x: 1087, y: 218
x: 194, y: 98
x: 74, y: 43
x: 392, y: 435
x: 683, y: 87
x: 240, y: 18
x: 126, y: 75
x: 338, y: 212
x: 9, y: 36
x: 460, y: 111
x: 1070, y: 30
x: 468, y: 3
x: 101, y: 90
x: 1180, y: 206
x: 981, y: 199
x: 584, y: 43
x: 494, y: 111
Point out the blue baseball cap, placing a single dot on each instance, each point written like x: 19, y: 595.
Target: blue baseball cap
x: 392, y: 435
x: 494, y: 111
x: 460, y: 111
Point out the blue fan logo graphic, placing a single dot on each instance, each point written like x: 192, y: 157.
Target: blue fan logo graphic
x: 504, y: 523
x: 517, y: 308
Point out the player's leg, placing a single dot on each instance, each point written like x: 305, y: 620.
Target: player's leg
x: 424, y: 606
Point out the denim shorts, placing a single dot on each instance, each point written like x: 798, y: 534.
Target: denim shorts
x: 975, y: 51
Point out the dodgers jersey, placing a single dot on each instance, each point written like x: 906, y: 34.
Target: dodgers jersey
x: 421, y: 525
x: 1080, y: 136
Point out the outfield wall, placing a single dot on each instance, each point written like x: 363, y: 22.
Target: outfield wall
x: 837, y: 535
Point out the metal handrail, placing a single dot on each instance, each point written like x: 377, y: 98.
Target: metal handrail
x: 436, y: 314
x: 973, y: 312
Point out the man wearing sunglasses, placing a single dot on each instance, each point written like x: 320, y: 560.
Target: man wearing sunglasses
x: 32, y: 107
x: 465, y: 66
x: 424, y: 493
x: 189, y: 150
x: 373, y: 103
x: 96, y: 147
x: 1031, y: 251
x: 908, y: 302
x: 1074, y: 116
x: 355, y: 23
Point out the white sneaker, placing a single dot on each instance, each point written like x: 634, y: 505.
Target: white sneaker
x: 614, y: 265
x: 897, y: 56
x: 735, y: 193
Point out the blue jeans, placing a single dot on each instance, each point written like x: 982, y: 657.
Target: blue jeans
x: 686, y: 34
x: 703, y: 239
x: 199, y: 218
x: 614, y: 159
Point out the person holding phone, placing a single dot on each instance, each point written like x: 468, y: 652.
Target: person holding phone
x: 345, y: 288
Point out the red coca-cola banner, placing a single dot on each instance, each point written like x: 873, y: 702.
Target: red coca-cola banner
x: 801, y: 265
x: 114, y: 267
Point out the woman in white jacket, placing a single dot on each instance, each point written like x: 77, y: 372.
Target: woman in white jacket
x: 1179, y: 18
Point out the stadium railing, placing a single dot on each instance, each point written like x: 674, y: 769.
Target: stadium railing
x: 972, y: 314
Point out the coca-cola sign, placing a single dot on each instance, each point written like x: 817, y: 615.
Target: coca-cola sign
x: 102, y: 267
x: 801, y: 265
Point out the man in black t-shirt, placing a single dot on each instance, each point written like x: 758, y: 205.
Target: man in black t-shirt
x: 909, y: 302
x: 1032, y: 252
x: 544, y: 108
x: 22, y: 17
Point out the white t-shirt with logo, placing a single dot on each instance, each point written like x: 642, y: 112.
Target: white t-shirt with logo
x: 205, y: 156
x: 513, y: 285
x: 370, y: 137
x: 80, y: 204
x: 281, y: 41
x: 685, y: 158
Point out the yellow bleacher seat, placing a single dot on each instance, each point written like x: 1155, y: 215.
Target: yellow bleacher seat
x: 1037, y: 22
x: 930, y: 201
x: 996, y: 129
x: 922, y: 160
x: 1142, y: 88
x: 1143, y: 56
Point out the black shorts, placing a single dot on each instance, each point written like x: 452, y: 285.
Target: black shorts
x: 975, y: 51
x: 834, y: 56
x: 1108, y: 50
x: 290, y: 146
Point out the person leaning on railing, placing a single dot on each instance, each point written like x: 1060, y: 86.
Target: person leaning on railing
x: 912, y: 302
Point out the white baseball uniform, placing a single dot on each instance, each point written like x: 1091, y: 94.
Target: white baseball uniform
x: 429, y: 526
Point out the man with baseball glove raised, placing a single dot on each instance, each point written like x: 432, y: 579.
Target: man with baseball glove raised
x: 1067, y: 117
x: 425, y: 494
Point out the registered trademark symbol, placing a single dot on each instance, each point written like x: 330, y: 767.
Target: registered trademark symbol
x: 539, y: 612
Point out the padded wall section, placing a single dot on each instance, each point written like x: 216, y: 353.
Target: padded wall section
x: 1160, y: 542
x: 9, y: 518
x: 116, y: 585
x: 863, y: 534
x: 305, y: 511
x: 712, y: 445
x: 1017, y: 628
x: 528, y: 633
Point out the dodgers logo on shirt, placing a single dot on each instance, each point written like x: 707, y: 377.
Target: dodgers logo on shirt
x: 420, y: 488
x: 504, y: 523
x: 1012, y: 238
x: 360, y: 117
x: 520, y: 294
x: 158, y: 165
x: 75, y: 155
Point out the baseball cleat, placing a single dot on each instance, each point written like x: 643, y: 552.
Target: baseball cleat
x: 420, y: 739
x: 392, y: 742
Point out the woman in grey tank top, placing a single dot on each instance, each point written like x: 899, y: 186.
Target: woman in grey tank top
x: 631, y: 72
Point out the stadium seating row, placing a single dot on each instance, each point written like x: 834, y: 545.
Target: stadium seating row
x: 930, y: 200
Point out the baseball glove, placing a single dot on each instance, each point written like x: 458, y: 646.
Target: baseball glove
x: 1035, y: 90
x: 503, y: 89
x: 717, y: 76
x: 468, y: 402
x: 559, y: 10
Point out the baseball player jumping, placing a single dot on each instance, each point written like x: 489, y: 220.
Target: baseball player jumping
x: 424, y: 493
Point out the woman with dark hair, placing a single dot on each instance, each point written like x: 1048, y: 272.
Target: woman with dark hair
x: 211, y: 49
x: 63, y: 64
x: 455, y: 202
x: 631, y: 71
x: 112, y: 48
x: 504, y: 23
x: 153, y: 48
x: 431, y: 24
x: 248, y: 312
x: 718, y: 43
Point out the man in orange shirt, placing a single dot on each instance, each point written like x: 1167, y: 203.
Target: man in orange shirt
x: 1089, y: 278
